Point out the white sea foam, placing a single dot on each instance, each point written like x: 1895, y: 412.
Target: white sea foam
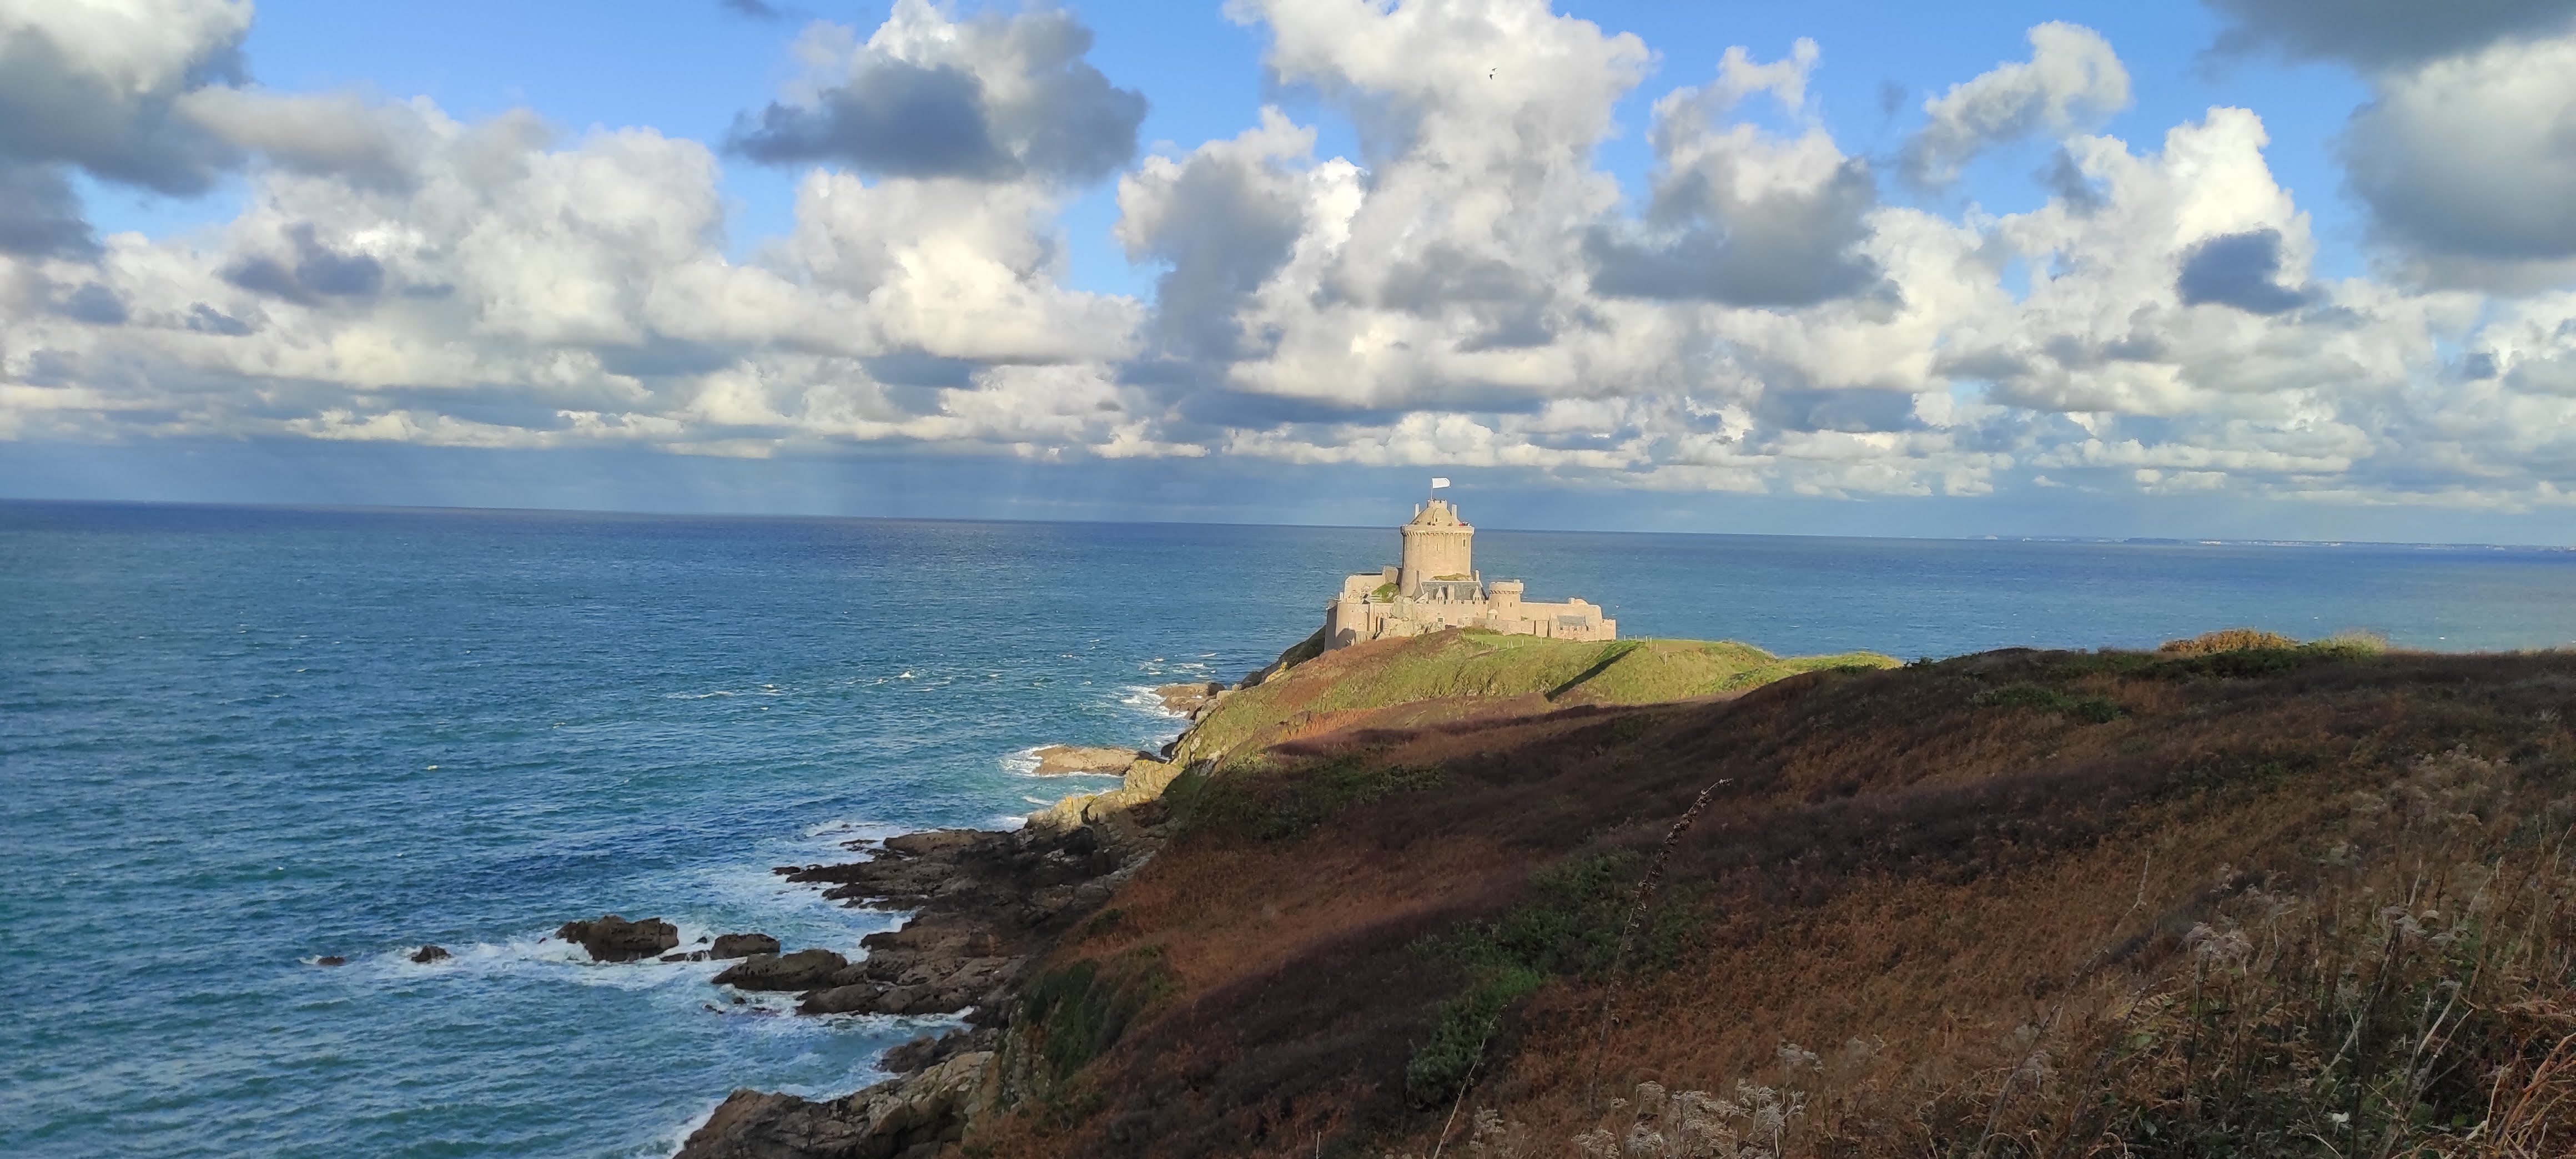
x: 1143, y: 697
x: 694, y: 695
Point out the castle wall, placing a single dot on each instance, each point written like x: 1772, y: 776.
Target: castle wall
x: 1431, y: 552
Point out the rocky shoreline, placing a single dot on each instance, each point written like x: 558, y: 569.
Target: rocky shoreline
x: 985, y: 907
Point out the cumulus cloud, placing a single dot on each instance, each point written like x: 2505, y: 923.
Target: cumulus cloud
x: 1471, y: 289
x: 94, y: 85
x: 2468, y: 164
x: 990, y: 98
x: 319, y: 133
x: 397, y: 275
x: 2072, y: 81
x: 1740, y: 215
x: 1452, y: 270
x: 1222, y: 221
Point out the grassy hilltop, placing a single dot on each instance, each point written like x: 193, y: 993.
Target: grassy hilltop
x: 2239, y: 898
x: 1453, y: 675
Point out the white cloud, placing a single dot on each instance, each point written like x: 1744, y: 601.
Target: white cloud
x: 2072, y: 81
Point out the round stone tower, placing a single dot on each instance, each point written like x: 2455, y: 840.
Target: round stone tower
x: 1437, y: 545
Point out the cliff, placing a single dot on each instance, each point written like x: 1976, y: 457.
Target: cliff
x: 1663, y: 898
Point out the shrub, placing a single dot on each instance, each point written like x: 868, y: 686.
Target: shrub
x: 2352, y: 642
x: 2228, y: 640
x: 2090, y: 709
x: 1082, y: 1009
x: 1571, y: 930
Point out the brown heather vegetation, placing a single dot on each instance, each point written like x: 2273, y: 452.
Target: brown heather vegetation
x: 2255, y: 901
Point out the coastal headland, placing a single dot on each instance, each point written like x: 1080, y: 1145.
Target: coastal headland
x: 1508, y: 895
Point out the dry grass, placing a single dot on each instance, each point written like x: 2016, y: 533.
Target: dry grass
x: 2228, y: 640
x: 2275, y: 887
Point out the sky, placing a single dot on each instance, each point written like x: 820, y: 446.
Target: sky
x: 2242, y: 268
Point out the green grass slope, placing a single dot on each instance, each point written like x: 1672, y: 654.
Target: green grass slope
x: 1454, y: 674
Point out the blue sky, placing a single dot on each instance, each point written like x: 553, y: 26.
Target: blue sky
x: 1937, y: 271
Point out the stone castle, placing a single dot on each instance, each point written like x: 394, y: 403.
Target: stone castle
x: 1438, y: 587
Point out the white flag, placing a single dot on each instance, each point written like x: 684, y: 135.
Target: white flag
x: 1437, y: 482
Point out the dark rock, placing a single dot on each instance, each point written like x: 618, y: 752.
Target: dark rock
x: 802, y: 970
x: 689, y: 956
x: 614, y: 939
x: 742, y: 946
x: 429, y: 954
x: 925, y: 1052
x: 911, y: 1116
x: 330, y: 960
x: 856, y: 998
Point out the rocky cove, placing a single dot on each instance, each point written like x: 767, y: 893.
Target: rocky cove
x: 983, y: 907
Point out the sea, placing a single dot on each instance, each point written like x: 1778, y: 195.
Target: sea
x: 234, y: 741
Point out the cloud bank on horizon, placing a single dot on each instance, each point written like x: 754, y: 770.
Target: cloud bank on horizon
x: 1760, y: 316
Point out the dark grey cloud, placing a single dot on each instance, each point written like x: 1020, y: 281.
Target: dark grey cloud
x: 894, y: 119
x: 662, y: 356
x: 1780, y: 250
x: 1855, y: 411
x: 40, y: 215
x: 2238, y: 269
x: 1443, y: 274
x: 916, y: 368
x: 95, y: 304
x: 903, y: 118
x: 2067, y: 180
x: 205, y: 319
x: 2480, y: 171
x: 56, y: 115
x: 755, y: 9
x: 318, y: 273
x: 2383, y: 33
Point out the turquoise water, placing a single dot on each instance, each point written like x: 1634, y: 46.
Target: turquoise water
x: 233, y: 740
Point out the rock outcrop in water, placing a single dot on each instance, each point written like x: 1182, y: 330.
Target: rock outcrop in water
x: 802, y: 970
x: 1189, y: 699
x: 1060, y: 759
x: 900, y: 1118
x: 985, y: 905
x: 742, y: 946
x: 611, y: 938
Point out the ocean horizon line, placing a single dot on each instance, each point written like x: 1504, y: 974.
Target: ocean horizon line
x: 824, y: 517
